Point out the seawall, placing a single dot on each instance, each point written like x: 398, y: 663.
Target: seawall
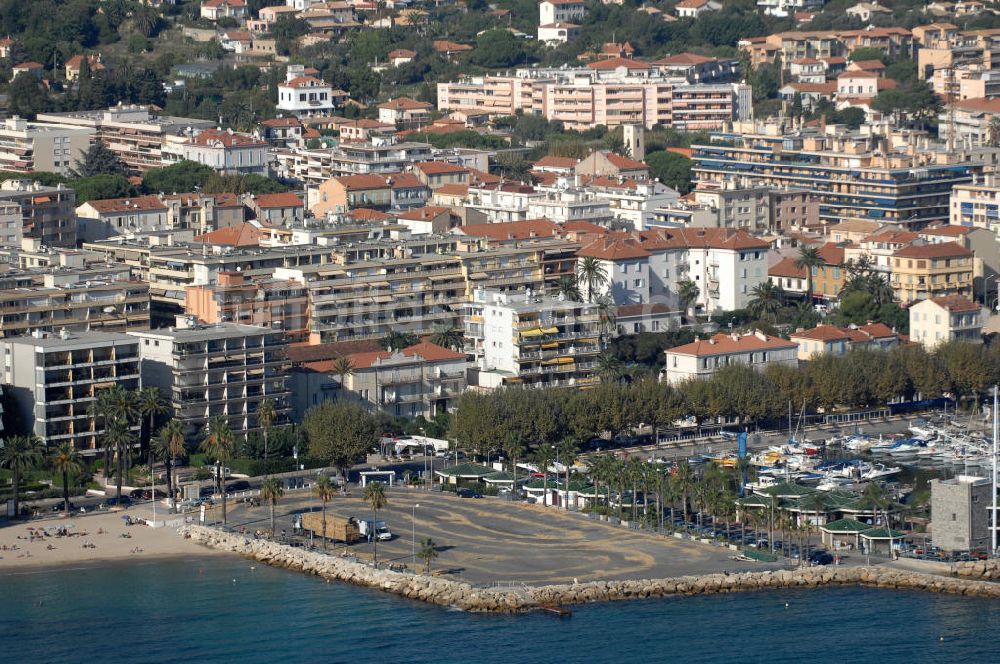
x: 448, y: 592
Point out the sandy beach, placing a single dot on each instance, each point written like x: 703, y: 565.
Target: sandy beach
x: 93, y: 538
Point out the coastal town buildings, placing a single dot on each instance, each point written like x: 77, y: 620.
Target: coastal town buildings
x: 702, y: 358
x: 53, y: 378
x: 210, y: 370
x: 938, y: 320
x: 27, y: 147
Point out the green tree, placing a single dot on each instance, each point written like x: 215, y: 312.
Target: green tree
x: 448, y: 337
x: 218, y: 445
x: 20, y: 455
x: 182, y: 177
x: 343, y: 367
x: 99, y: 160
x: 271, y: 491
x: 592, y: 274
x: 687, y: 294
x: 568, y: 451
x: 266, y: 413
x: 169, y: 445
x: 118, y: 438
x: 808, y: 259
x: 765, y: 300
x: 323, y: 489
x: 684, y: 480
x: 428, y: 552
x: 66, y: 462
x: 149, y: 404
x: 568, y: 289
x: 398, y: 340
x: 340, y: 433
x: 376, y: 499
x: 609, y: 368
x: 672, y: 169
x: 868, y: 53
x: 100, y: 187
x: 496, y: 49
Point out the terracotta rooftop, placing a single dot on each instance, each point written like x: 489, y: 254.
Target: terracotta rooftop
x: 513, y: 230
x: 549, y: 161
x: 956, y: 303
x: 625, y: 163
x: 821, y: 333
x: 439, y: 168
x: 365, y: 359
x: 786, y: 268
x: 942, y: 250
x: 723, y: 344
x: 405, y: 104
x: 301, y: 353
x: 133, y: 204
x: 237, y: 235
x: 284, y: 200
x: 684, y: 59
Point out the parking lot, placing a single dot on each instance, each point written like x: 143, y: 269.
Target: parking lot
x: 489, y: 540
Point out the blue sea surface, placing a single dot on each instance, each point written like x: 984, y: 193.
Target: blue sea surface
x: 220, y: 610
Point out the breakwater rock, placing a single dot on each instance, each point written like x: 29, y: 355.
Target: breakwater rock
x: 988, y: 570
x: 448, y: 592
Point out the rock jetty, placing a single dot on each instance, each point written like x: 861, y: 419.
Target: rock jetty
x: 987, y: 570
x: 448, y: 592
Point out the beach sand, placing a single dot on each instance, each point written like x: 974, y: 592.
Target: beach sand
x: 144, y: 542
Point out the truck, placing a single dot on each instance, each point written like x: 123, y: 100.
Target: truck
x: 375, y: 529
x: 345, y: 529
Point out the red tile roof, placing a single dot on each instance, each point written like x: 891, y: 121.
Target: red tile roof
x: 821, y: 333
x: 357, y: 182
x: 364, y: 360
x: 831, y: 254
x: 133, y: 204
x: 301, y: 353
x: 284, y: 200
x: 405, y: 104
x: 786, y: 268
x: 303, y: 82
x: 365, y: 214
x: 942, y: 250
x: 238, y: 235
x: 624, y: 163
x: 439, y: 168
x: 684, y: 59
x: 722, y: 344
x: 614, y: 247
x: 227, y: 138
x: 548, y: 161
x: 949, y: 231
x: 956, y: 303
x: 452, y: 189
x: 513, y: 230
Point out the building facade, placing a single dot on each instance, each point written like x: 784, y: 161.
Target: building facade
x: 938, y: 320
x: 702, y: 358
x: 960, y: 513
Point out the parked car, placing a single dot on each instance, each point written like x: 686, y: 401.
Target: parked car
x: 468, y: 493
x: 238, y: 485
x: 58, y: 507
x: 118, y: 500
x: 823, y: 558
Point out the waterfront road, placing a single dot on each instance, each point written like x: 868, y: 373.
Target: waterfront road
x: 490, y: 540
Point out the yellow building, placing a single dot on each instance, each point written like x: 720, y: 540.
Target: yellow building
x: 934, y: 270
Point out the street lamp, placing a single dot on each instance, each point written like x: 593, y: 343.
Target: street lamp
x: 413, y: 533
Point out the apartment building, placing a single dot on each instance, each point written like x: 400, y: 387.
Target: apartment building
x: 702, y: 358
x: 27, y: 147
x: 264, y: 302
x: 54, y: 378
x: 646, y: 266
x: 423, y: 379
x: 832, y: 340
x: 224, y: 150
x: 380, y: 156
x: 48, y: 214
x: 561, y: 11
x: 208, y: 371
x: 304, y: 96
x: 967, y: 121
x: 124, y: 215
x: 11, y: 225
x: 791, y: 46
x: 927, y: 271
x: 895, y: 178
x: 938, y: 320
x: 339, y: 195
x: 49, y: 300
x: 534, y: 341
x: 135, y: 134
x: 945, y: 47
x: 611, y: 93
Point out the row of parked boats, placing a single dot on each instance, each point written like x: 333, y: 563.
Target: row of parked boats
x: 940, y: 443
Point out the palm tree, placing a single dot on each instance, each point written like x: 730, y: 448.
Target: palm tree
x: 271, y: 491
x: 513, y: 448
x: 118, y: 437
x: 218, y: 444
x: 766, y: 300
x: 568, y: 288
x: 544, y: 456
x: 876, y: 496
x: 684, y: 479
x: 324, y: 490
x: 66, y: 460
x: 149, y: 403
x: 168, y: 446
x: 101, y: 410
x: 448, y: 337
x: 609, y: 368
x: 880, y: 289
x: 265, y: 418
x: 607, y: 312
x: 687, y: 294
x: 20, y: 455
x: 592, y: 274
x: 343, y: 367
x: 568, y: 450
x: 375, y: 497
x: 428, y: 552
x: 808, y: 259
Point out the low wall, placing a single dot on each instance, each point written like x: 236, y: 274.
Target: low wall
x: 447, y: 592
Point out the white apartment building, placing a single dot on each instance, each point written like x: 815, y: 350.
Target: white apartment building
x: 27, y: 147
x: 610, y: 93
x: 503, y: 203
x: 525, y: 339
x: 225, y: 369
x: 631, y: 201
x: 938, y: 320
x: 54, y: 378
x: 561, y: 11
x: 303, y: 95
x: 702, y: 358
x: 786, y: 8
x: 646, y: 266
x: 568, y: 205
x: 977, y: 204
x: 11, y: 225
x: 226, y: 151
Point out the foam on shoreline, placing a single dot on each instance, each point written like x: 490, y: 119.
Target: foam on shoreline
x: 448, y: 592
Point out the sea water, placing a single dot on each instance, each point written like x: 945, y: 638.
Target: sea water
x: 222, y: 609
